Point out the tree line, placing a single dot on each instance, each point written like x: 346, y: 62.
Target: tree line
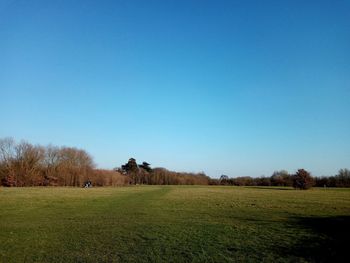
x: 144, y: 174
x: 300, y: 179
x: 25, y: 164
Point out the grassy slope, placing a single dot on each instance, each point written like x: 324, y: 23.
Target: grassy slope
x: 172, y: 224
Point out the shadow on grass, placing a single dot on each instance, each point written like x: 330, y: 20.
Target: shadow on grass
x: 328, y: 239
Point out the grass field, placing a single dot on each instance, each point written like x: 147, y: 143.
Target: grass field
x: 174, y: 224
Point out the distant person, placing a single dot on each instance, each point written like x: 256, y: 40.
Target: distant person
x: 87, y: 184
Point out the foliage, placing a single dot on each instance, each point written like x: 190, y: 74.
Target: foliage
x: 281, y: 178
x: 224, y: 180
x: 342, y: 179
x: 146, y: 166
x: 24, y: 164
x: 144, y: 174
x: 302, y: 180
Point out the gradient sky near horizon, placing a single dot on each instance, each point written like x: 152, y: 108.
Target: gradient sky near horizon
x: 241, y: 88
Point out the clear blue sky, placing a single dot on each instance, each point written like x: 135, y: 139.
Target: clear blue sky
x: 225, y: 87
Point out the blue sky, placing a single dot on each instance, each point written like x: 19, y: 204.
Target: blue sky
x: 225, y: 87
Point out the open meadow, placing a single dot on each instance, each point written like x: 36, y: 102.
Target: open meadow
x: 174, y: 224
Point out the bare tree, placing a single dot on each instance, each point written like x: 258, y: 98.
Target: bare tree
x: 75, y: 166
x: 7, y: 154
x: 51, y: 165
x: 27, y: 164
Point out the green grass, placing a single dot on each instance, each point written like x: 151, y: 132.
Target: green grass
x: 173, y: 224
